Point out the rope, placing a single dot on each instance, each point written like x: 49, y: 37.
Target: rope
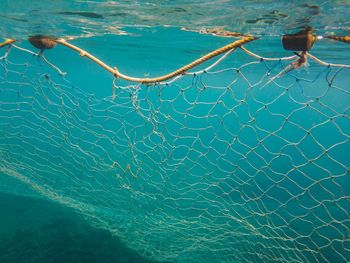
x: 7, y: 42
x: 175, y: 73
x: 345, y: 39
x: 326, y: 63
x: 268, y: 59
x: 230, y: 47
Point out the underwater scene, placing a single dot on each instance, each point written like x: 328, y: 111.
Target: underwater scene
x: 174, y: 131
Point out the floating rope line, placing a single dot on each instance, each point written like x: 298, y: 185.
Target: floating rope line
x: 345, y: 39
x: 179, y: 71
x: 301, y: 41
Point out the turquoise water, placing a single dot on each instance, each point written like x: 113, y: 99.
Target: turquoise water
x: 99, y: 17
x: 217, y: 166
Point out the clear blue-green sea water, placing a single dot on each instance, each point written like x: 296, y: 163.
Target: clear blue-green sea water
x: 53, y: 209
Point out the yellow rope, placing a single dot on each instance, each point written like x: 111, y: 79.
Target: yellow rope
x: 345, y: 39
x: 177, y: 72
x: 7, y: 42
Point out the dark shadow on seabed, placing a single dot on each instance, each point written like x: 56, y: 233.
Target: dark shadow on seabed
x: 38, y: 231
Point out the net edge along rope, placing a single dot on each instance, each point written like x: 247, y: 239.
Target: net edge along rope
x: 300, y: 43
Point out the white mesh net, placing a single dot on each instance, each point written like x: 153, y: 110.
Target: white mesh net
x: 221, y: 165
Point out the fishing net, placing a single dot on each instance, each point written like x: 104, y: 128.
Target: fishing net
x: 225, y: 163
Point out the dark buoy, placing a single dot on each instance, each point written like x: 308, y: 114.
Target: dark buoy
x: 42, y: 42
x: 301, y: 41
